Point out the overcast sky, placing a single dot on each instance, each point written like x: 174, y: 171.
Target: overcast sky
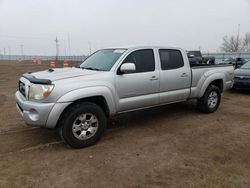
x: 189, y: 24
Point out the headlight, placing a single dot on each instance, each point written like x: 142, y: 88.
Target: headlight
x: 38, y: 91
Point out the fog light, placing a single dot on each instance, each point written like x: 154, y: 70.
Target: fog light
x: 33, y: 115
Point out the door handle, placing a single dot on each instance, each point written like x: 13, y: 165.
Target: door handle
x: 184, y: 75
x: 153, y: 78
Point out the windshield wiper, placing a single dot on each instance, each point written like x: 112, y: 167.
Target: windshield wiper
x: 90, y: 68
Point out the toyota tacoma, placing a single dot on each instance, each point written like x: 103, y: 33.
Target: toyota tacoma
x: 79, y: 100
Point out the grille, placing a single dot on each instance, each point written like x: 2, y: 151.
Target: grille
x: 21, y: 88
x: 242, y: 77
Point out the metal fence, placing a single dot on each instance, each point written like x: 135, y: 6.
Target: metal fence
x: 218, y: 56
x: 44, y: 58
x: 225, y: 55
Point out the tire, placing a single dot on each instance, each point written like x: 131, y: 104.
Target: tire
x: 234, y: 88
x: 210, y: 101
x: 82, y: 124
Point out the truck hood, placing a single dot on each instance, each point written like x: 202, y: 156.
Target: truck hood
x: 63, y: 73
x: 242, y: 72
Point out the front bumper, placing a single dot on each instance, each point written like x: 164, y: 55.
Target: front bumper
x: 242, y: 84
x: 39, y: 114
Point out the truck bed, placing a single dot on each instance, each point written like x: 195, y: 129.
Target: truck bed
x: 201, y: 74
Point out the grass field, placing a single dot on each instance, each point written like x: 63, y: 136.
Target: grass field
x: 170, y: 146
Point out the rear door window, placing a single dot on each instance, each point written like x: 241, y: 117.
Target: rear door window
x: 170, y: 59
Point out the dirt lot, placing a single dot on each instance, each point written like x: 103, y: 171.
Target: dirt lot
x: 170, y: 146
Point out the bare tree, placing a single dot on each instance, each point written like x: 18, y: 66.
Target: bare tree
x: 231, y: 44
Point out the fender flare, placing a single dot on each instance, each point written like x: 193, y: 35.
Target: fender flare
x: 209, y: 80
x: 90, y: 92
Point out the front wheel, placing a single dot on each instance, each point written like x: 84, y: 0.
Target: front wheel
x: 210, y: 101
x: 82, y: 124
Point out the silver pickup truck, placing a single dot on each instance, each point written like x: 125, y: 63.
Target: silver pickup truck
x: 79, y: 100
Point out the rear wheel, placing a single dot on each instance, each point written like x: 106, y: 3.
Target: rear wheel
x: 82, y: 124
x: 210, y: 101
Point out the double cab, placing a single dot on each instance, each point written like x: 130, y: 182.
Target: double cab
x: 79, y: 100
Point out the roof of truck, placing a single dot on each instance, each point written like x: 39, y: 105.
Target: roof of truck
x: 143, y: 46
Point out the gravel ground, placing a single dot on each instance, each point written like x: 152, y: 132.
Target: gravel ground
x: 169, y: 146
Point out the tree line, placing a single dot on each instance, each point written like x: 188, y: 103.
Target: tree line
x: 236, y: 43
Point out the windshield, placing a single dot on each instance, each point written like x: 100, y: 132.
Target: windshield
x: 102, y: 60
x: 246, y: 65
x: 195, y: 53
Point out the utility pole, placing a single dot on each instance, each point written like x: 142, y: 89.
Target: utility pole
x: 89, y: 48
x: 57, y: 48
x: 238, y: 37
x: 238, y: 34
x: 69, y: 45
x: 9, y: 52
x: 64, y: 45
x: 21, y: 47
x: 248, y: 41
x: 4, y: 51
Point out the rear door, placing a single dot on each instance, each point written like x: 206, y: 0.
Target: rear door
x: 141, y: 88
x: 175, y: 76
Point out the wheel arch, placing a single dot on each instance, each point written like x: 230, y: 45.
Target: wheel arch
x: 98, y: 100
x: 99, y: 95
x: 215, y: 79
x: 218, y: 83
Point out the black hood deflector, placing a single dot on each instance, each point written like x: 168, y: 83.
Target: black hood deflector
x: 35, y: 80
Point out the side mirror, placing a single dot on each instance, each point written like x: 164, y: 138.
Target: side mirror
x: 127, y: 68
